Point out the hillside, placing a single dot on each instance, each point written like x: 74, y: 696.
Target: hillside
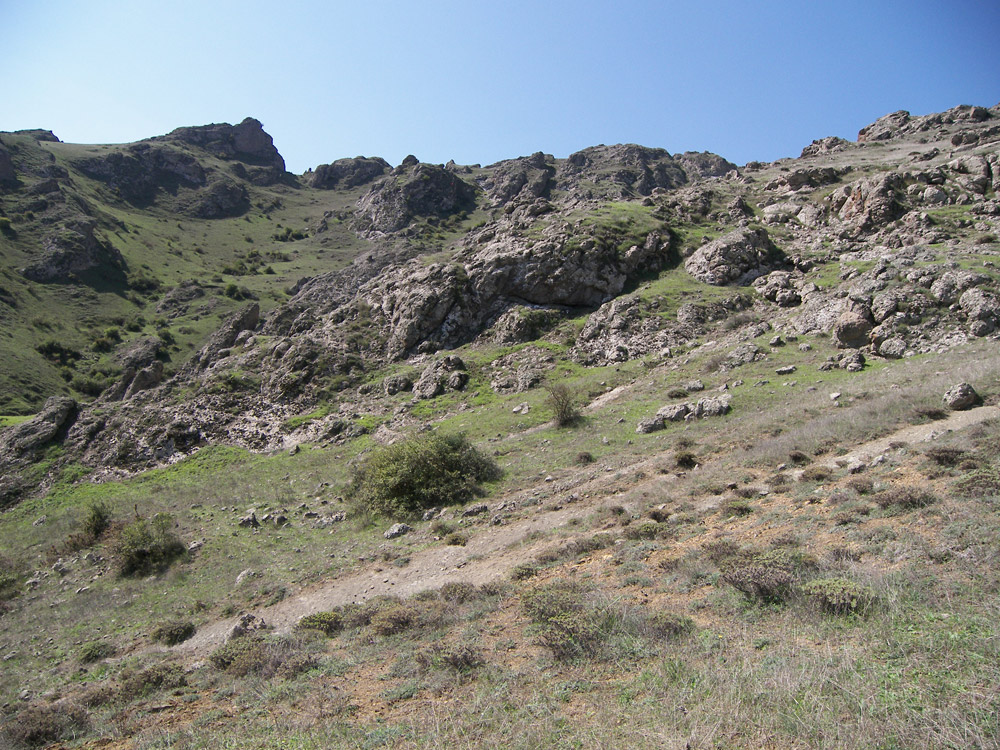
x: 729, y: 506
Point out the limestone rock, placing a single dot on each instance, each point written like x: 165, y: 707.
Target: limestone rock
x: 424, y: 190
x: 960, y: 397
x: 445, y: 374
x: 852, y: 330
x: 54, y: 418
x: 75, y: 249
x: 349, y: 173
x: 397, y: 530
x: 982, y: 310
x: 735, y: 258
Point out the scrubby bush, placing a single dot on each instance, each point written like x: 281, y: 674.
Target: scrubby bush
x: 94, y: 651
x: 97, y: 519
x: 172, y: 633
x: 767, y: 577
x: 145, y: 547
x: 456, y: 539
x: 906, y: 498
x: 458, y: 592
x: 461, y: 659
x: 685, y: 460
x: 838, y: 596
x: 666, y: 624
x: 42, y: 724
x: 523, y: 571
x: 151, y: 679
x: 422, y: 472
x: 563, y: 403
x: 262, y: 657
x: 329, y: 623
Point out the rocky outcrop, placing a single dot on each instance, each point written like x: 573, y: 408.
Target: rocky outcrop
x: 884, y: 127
x: 8, y: 175
x: 618, y: 171
x: 246, y: 142
x: 348, y: 173
x: 713, y: 406
x: 246, y: 319
x: 54, y: 418
x: 735, y: 258
x: 826, y: 145
x: 138, y: 172
x: 73, y: 250
x: 446, y: 374
x: 523, y: 180
x: 219, y: 199
x: 870, y: 203
x: 421, y: 190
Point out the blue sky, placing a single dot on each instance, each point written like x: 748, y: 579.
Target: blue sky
x: 480, y: 82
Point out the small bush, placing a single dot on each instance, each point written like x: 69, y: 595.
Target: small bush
x: 906, y: 498
x: 97, y: 519
x: 441, y: 528
x: 584, y: 457
x: 861, y: 485
x: 145, y: 547
x: 735, y: 507
x: 838, y: 596
x: 456, y: 539
x: 94, y: 651
x: 685, y: 460
x: 40, y: 725
x: 945, y: 456
x: 817, y: 473
x: 460, y: 659
x: 328, y: 623
x: 422, y: 472
x: 392, y: 620
x: 983, y: 482
x: 763, y: 576
x: 677, y: 393
x: 151, y: 679
x: 262, y: 657
x: 799, y: 458
x: 523, y: 571
x: 562, y: 401
x: 644, y: 530
x: 665, y: 624
x: 172, y: 633
x: 458, y: 592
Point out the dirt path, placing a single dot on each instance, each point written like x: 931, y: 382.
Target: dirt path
x: 918, y: 433
x: 493, y: 550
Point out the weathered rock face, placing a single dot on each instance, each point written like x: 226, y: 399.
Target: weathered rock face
x: 75, y: 249
x: 982, y: 309
x: 735, y: 258
x: 524, y: 179
x: 884, y: 127
x: 220, y: 199
x: 703, y: 164
x: 54, y: 417
x: 624, y: 169
x: 244, y: 320
x: 871, y: 202
x: 247, y: 142
x: 423, y: 190
x: 138, y: 172
x: 7, y: 173
x: 826, y: 145
x: 349, y: 173
x: 447, y: 374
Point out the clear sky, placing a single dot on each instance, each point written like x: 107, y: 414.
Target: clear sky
x: 482, y: 81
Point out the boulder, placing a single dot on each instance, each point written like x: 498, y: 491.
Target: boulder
x: 884, y: 128
x: 445, y: 374
x: 246, y: 624
x: 735, y: 258
x: 892, y: 348
x: 982, y: 310
x: 960, y: 397
x: 520, y: 180
x: 397, y: 530
x: 852, y: 329
x: 777, y: 287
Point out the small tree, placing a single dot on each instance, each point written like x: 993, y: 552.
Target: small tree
x: 563, y: 403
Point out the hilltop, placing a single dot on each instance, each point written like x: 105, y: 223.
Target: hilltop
x: 712, y: 394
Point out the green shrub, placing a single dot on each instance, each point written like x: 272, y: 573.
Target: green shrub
x: 96, y: 520
x: 395, y: 619
x: 422, y: 472
x: 94, y: 651
x: 817, y: 473
x: 735, y: 507
x: 43, y: 724
x: 838, y: 596
x: 458, y: 592
x: 460, y: 659
x: 145, y: 547
x: 329, y: 623
x: 523, y: 571
x: 172, y: 633
x: 685, y: 460
x: 456, y: 539
x: 262, y: 657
